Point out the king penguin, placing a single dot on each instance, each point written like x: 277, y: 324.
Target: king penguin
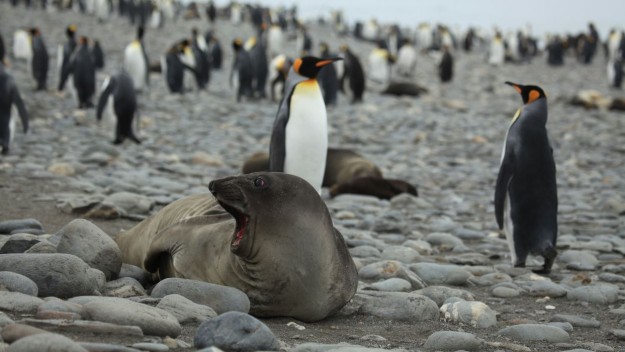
x: 40, y: 62
x: 65, y: 51
x: 82, y: 69
x: 9, y: 95
x: 22, y: 48
x: 354, y: 74
x: 299, y: 139
x: 124, y: 105
x: 136, y: 62
x: 526, y: 197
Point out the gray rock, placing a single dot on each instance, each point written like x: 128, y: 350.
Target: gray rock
x: 452, y: 341
x: 60, y: 306
x: 135, y: 272
x: 562, y: 325
x: 396, y: 305
x: 389, y: 269
x: 86, y: 241
x: 543, y: 288
x: 599, y: 294
x: 150, y: 346
x: 535, y: 332
x: 221, y: 298
x: 364, y: 252
x: 131, y: 203
x: 440, y: 274
x: 445, y: 240
x: 5, y: 320
x: 106, y: 347
x: 15, y: 282
x: 440, y: 294
x: 576, y: 320
x: 391, y: 285
x: 42, y: 247
x: 17, y: 245
x: 339, y: 347
x: 578, y: 260
x: 400, y: 253
x: 490, y: 279
x: 468, y: 258
x: 45, y: 342
x: 185, y: 310
x: 123, y: 288
x: 65, y: 275
x: 236, y: 331
x: 153, y: 321
x: 620, y: 334
x: 8, y: 226
x: 18, y: 302
x: 505, y: 292
x: 476, y: 314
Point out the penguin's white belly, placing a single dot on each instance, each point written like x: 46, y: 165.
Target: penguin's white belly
x: 22, y: 48
x: 102, y: 9
x: 135, y: 65
x: 11, y: 125
x: 379, y: 69
x: 496, y: 54
x: 508, y: 228
x: 307, y: 134
x: 611, y: 72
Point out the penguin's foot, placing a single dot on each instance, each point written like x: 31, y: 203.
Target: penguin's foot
x: 118, y: 141
x: 519, y: 265
x: 543, y: 271
x: 5, y: 150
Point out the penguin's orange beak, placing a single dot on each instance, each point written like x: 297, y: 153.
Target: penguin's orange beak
x: 327, y: 62
x: 517, y: 87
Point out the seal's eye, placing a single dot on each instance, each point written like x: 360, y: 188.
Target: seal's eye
x: 260, y: 182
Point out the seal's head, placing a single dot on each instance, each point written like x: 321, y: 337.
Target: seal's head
x: 264, y: 200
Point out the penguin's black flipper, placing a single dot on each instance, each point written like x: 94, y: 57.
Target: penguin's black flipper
x: 147, y: 66
x: 277, y: 146
x: 19, y: 103
x: 65, y: 72
x: 501, y: 189
x: 104, y: 98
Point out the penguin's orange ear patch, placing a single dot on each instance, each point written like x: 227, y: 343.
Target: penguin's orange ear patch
x: 534, y: 94
x: 297, y: 64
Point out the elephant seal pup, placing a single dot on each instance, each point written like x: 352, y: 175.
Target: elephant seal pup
x: 267, y: 234
x: 346, y: 172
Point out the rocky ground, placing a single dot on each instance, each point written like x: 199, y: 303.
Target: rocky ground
x: 447, y: 142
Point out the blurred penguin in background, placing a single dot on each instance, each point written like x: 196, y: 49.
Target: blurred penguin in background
x: 406, y: 63
x: 353, y: 74
x: 9, y: 96
x: 327, y: 77
x: 446, y: 66
x: 98, y: 55
x: 215, y: 52
x: 136, y: 62
x: 303, y: 41
x: 555, y: 51
x: 275, y: 40
x: 202, y: 59
x: 40, y: 60
x: 174, y: 65
x: 211, y: 12
x: 2, y: 51
x: 82, y: 69
x: 65, y: 51
x: 124, y: 102
x: 22, y: 48
x: 242, y: 74
x: 278, y: 70
x: 497, y: 50
x: 380, y: 61
x: 257, y: 53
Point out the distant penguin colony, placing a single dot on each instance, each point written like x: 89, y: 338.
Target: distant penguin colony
x: 526, y: 197
x: 299, y: 139
x: 82, y: 69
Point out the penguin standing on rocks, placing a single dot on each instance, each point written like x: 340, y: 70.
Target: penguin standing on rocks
x: 353, y: 73
x: 526, y: 197
x: 65, y: 51
x: 242, y: 73
x: 278, y: 71
x: 124, y: 105
x: 173, y: 66
x: 40, y: 61
x: 214, y: 48
x: 82, y: 69
x: 136, y: 62
x: 446, y: 66
x: 299, y: 139
x: 2, y: 50
x: 202, y: 59
x: 258, y: 55
x: 9, y: 95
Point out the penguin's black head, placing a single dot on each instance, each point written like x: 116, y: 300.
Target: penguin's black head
x: 528, y: 93
x: 194, y: 32
x: 34, y: 31
x: 140, y: 32
x: 324, y: 48
x: 309, y: 66
x: 83, y: 40
x: 71, y: 29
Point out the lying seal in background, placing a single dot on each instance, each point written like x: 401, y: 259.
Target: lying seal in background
x: 267, y: 234
x: 346, y: 172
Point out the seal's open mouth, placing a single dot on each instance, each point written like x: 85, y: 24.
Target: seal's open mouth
x: 242, y: 221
